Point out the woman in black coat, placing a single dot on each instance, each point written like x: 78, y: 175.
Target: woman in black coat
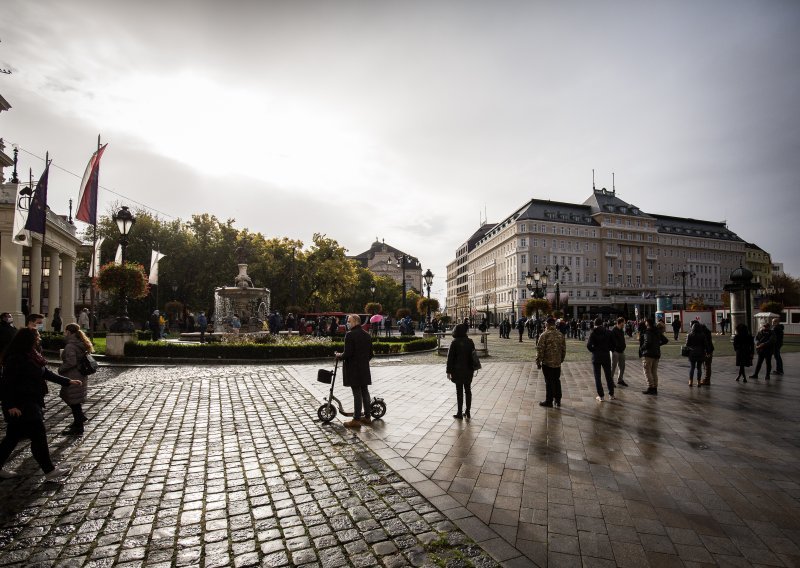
x: 355, y: 369
x: 745, y: 348
x: 459, y: 368
x: 698, y: 349
x: 22, y: 390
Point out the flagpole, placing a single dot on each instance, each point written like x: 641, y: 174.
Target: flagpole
x: 94, y: 253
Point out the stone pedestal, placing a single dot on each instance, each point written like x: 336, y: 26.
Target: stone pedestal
x: 115, y: 343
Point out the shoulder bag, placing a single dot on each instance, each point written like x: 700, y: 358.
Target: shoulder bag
x: 87, y: 365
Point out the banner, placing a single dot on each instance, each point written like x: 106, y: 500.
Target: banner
x: 87, y: 196
x: 93, y: 270
x: 21, y: 235
x: 154, y: 258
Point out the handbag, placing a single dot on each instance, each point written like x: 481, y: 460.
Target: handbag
x: 476, y: 362
x: 685, y: 351
x: 87, y: 365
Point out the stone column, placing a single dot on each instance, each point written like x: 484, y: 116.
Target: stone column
x: 68, y: 290
x: 11, y: 277
x: 53, y: 289
x: 34, y: 304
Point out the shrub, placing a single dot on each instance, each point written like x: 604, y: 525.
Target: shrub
x: 113, y: 277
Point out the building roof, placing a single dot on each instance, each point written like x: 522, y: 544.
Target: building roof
x: 685, y: 227
x: 381, y: 247
x: 606, y: 201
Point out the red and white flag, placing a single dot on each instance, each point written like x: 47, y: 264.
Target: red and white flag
x: 87, y: 197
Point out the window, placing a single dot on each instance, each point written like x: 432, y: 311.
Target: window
x: 610, y: 278
x: 523, y: 259
x: 523, y: 242
x: 522, y: 227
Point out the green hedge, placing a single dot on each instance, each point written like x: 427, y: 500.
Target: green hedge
x: 223, y: 351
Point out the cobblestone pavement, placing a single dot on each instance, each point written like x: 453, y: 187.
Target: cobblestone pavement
x: 228, y: 466
x: 223, y: 466
x: 692, y: 477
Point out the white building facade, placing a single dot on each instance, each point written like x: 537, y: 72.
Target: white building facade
x: 610, y: 256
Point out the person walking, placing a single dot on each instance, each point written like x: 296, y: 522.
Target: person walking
x: 697, y: 346
x: 57, y: 322
x: 777, y: 331
x: 22, y: 390
x: 599, y: 343
x: 202, y: 325
x: 7, y: 330
x: 706, y: 382
x: 650, y: 342
x: 521, y: 328
x: 765, y: 343
x: 76, y: 347
x: 460, y: 370
x: 83, y: 319
x: 551, y: 349
x: 744, y: 348
x: 618, y: 345
x: 355, y: 369
x: 676, y: 326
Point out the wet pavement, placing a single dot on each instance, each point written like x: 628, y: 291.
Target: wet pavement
x: 229, y: 466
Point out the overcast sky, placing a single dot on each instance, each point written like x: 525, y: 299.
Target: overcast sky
x: 407, y: 120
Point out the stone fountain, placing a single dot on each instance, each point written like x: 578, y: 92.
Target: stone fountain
x: 249, y: 303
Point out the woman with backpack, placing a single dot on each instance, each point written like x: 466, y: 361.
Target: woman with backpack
x: 74, y: 395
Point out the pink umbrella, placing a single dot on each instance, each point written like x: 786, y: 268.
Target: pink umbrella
x: 376, y: 318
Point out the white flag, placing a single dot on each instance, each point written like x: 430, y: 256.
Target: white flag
x: 21, y: 235
x: 154, y: 258
x: 95, y: 268
x: 118, y: 257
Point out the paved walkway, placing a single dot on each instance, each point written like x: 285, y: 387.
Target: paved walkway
x: 228, y: 466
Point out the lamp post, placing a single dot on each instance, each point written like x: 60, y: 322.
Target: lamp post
x: 125, y: 221
x: 682, y: 274
x: 554, y: 272
x: 428, y: 276
x: 402, y: 262
x: 83, y: 287
x: 513, y: 311
x: 537, y: 284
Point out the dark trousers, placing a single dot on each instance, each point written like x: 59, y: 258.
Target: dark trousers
x: 778, y: 360
x: 464, y: 389
x: 604, y: 364
x: 521, y: 331
x: 552, y: 384
x: 19, y: 428
x: 695, y: 365
x: 77, y: 413
x: 764, y: 356
x: 360, y: 395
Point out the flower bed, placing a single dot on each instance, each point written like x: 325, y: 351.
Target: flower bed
x: 261, y: 348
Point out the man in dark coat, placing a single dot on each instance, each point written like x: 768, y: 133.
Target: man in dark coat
x: 7, y: 330
x: 355, y: 369
x: 777, y: 331
x: 599, y: 343
x: 618, y: 351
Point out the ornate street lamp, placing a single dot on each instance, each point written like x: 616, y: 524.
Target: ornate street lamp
x: 428, y: 276
x: 402, y: 261
x: 682, y: 274
x: 537, y: 284
x: 125, y: 221
x: 372, y: 291
x: 554, y: 272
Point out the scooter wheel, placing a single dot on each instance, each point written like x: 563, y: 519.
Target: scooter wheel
x: 377, y: 409
x: 326, y: 412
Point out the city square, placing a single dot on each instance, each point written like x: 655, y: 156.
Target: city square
x: 228, y: 465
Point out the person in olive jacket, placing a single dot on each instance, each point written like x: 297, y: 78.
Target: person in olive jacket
x: 459, y: 368
x: 355, y: 369
x: 22, y: 389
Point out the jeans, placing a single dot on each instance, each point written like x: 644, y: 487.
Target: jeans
x: 605, y: 364
x: 19, y: 428
x: 552, y: 384
x: 695, y: 365
x: 618, y: 360
x: 778, y: 360
x: 360, y: 394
